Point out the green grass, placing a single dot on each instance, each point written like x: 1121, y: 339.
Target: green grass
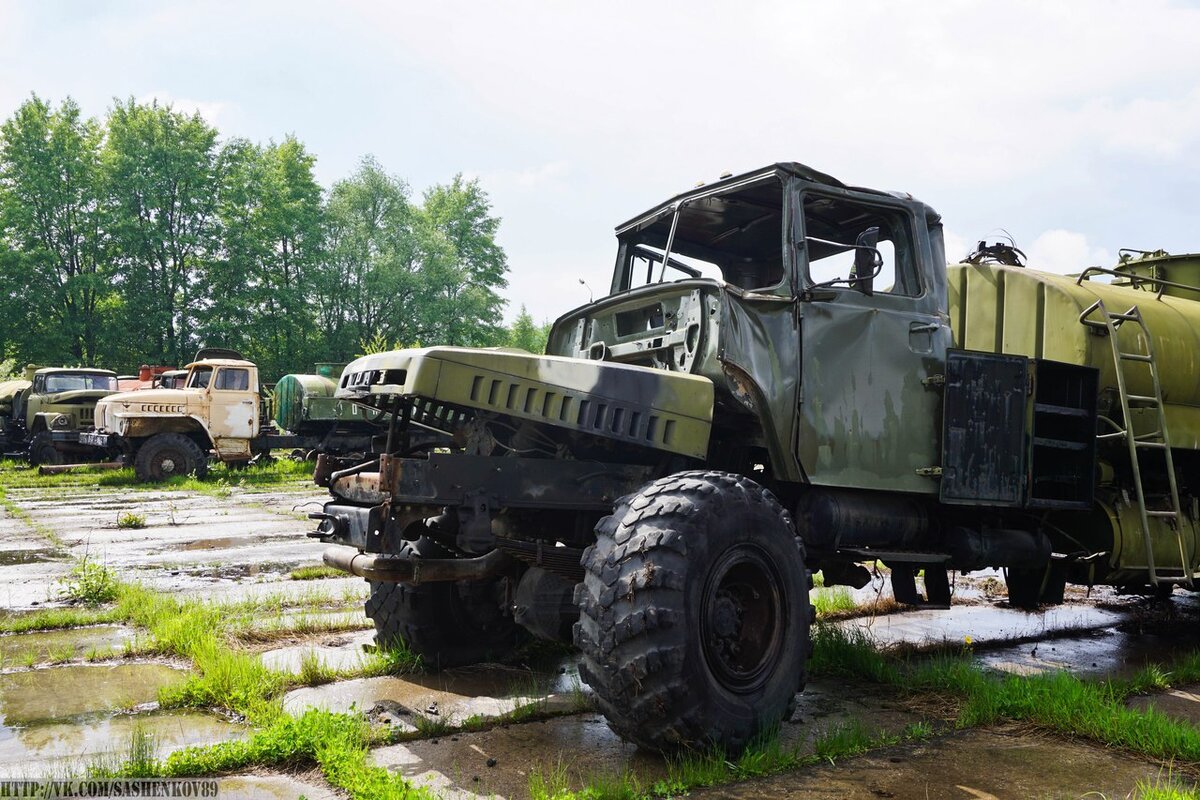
x: 57, y: 619
x: 315, y: 573
x: 832, y: 601
x: 131, y: 520
x: 219, y: 481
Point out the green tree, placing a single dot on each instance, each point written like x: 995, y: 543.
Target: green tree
x: 367, y: 285
x: 527, y: 334
x: 162, y: 183
x: 464, y: 290
x: 270, y: 229
x: 51, y: 224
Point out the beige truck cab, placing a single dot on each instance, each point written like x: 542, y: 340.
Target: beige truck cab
x: 168, y: 432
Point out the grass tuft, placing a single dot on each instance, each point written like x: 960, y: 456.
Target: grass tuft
x: 315, y: 573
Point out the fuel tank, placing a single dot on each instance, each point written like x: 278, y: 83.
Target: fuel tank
x: 306, y: 403
x: 1021, y: 311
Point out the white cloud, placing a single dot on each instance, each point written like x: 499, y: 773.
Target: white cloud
x: 1066, y: 252
x: 211, y: 110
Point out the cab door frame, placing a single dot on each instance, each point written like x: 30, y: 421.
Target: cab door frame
x: 870, y: 406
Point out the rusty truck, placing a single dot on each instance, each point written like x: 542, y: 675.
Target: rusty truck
x: 784, y: 378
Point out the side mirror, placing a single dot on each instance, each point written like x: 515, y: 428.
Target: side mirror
x: 867, y: 260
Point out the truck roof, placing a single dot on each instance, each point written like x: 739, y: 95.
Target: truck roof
x: 790, y: 167
x: 220, y: 362
x: 75, y: 371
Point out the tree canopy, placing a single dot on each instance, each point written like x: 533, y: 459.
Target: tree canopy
x: 143, y: 236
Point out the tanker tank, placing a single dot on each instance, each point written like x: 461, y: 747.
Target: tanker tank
x: 305, y: 403
x: 1006, y: 309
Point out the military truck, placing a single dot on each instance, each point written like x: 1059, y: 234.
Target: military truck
x: 49, y: 404
x: 784, y: 378
x: 217, y: 410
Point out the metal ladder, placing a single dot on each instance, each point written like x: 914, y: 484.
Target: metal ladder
x: 1156, y: 440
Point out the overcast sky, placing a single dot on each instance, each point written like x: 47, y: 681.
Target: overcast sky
x: 1071, y: 124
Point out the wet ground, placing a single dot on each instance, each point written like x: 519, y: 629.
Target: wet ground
x: 72, y: 698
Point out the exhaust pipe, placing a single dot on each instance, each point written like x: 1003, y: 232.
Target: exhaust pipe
x: 399, y: 569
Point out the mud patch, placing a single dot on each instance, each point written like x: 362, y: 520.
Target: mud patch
x: 1182, y: 704
x: 977, y: 764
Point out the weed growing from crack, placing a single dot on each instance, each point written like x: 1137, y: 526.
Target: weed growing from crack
x: 90, y: 583
x: 131, y: 520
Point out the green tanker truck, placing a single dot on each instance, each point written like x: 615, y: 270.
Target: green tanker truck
x: 42, y: 413
x: 784, y: 378
x: 306, y: 405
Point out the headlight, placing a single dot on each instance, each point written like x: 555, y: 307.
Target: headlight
x: 62, y: 421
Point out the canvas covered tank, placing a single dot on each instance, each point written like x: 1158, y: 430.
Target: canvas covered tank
x: 9, y: 392
x: 1006, y: 309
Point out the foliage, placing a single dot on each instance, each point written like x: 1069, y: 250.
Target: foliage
x: 527, y: 334
x: 137, y: 238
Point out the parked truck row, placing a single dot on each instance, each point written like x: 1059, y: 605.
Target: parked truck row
x: 176, y: 421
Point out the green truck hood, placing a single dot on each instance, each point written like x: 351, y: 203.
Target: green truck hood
x: 652, y: 408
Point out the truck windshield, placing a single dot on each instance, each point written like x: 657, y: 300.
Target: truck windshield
x: 81, y: 381
x: 734, y: 236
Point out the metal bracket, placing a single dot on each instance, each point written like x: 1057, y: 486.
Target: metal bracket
x: 930, y: 472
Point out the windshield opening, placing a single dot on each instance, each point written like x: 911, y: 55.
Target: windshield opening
x: 77, y: 382
x: 735, y: 237
x: 199, y: 377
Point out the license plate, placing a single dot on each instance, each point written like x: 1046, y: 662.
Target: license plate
x: 94, y: 439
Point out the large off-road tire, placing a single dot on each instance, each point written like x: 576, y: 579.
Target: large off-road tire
x: 446, y: 624
x: 694, y: 623
x: 43, y: 451
x: 166, y: 455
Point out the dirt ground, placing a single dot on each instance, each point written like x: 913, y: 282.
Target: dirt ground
x: 69, y: 697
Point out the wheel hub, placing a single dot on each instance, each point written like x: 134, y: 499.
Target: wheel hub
x: 742, y: 619
x: 167, y: 464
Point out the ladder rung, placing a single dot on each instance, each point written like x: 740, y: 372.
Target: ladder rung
x: 1164, y: 514
x: 1130, y: 315
x: 1141, y: 400
x: 1136, y: 357
x: 1154, y: 445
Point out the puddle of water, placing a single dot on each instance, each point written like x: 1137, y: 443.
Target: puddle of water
x: 58, y: 693
x: 456, y: 765
x: 1154, y: 635
x: 977, y: 764
x: 334, y: 651
x: 62, y: 645
x: 982, y: 623
x: 485, y: 689
x: 14, y: 557
x: 271, y: 787
x: 38, y: 749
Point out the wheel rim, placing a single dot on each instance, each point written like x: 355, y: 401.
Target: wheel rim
x: 742, y: 619
x: 168, y: 463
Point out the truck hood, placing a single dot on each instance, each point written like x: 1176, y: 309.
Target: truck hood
x: 648, y: 407
x: 77, y: 397
x: 149, y: 400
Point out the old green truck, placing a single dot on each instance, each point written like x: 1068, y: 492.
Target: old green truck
x: 42, y: 413
x: 785, y: 377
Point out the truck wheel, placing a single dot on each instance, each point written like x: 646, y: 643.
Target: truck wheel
x: 43, y: 451
x: 446, y: 624
x: 1029, y: 588
x: 694, y: 613
x: 166, y: 455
